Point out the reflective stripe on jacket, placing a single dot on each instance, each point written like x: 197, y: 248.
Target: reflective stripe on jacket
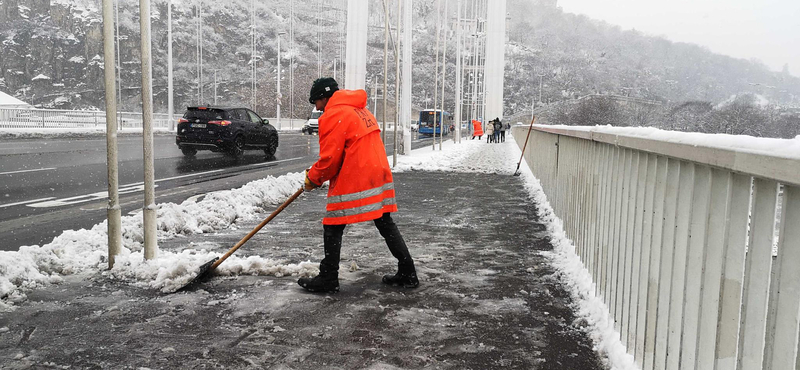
x: 352, y: 157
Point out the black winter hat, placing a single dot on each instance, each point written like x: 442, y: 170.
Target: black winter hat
x: 322, y: 88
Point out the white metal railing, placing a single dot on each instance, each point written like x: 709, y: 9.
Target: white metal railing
x: 679, y: 241
x: 55, y: 118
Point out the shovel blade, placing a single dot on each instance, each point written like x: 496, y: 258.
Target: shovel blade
x: 202, y: 275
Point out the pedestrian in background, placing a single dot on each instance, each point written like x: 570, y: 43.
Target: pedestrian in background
x: 502, y: 131
x: 497, y: 129
x: 490, y: 132
x: 352, y: 157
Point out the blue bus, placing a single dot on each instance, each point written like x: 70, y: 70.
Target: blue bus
x: 427, y: 117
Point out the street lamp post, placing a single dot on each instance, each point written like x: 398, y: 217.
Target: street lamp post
x: 278, y: 100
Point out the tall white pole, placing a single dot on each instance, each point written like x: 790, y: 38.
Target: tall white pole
x: 396, y: 83
x: 459, y: 77
x: 444, y: 72
x: 495, y: 58
x: 200, y: 36
x: 150, y: 246
x: 113, y: 211
x: 319, y: 42
x: 280, y: 97
x: 215, y: 87
x: 252, y: 54
x: 197, y: 51
x: 385, y: 66
x: 475, y: 61
x: 405, y: 110
x: 170, y: 86
x: 291, y: 68
x: 119, y: 61
x: 436, y: 115
x: 356, y: 55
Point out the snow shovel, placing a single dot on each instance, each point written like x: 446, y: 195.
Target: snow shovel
x: 517, y: 173
x: 206, y: 268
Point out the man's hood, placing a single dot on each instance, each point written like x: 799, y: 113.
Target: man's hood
x: 354, y: 98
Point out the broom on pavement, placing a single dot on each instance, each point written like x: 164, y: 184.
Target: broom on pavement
x: 208, y: 267
x: 517, y: 173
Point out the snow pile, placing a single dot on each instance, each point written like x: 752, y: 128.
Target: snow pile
x: 76, y: 251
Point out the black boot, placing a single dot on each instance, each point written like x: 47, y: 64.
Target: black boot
x: 406, y: 275
x: 328, y: 279
x: 320, y: 284
x: 405, y: 280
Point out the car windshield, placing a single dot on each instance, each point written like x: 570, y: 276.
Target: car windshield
x: 315, y: 114
x: 205, y: 114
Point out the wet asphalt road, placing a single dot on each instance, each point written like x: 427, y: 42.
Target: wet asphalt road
x: 50, y: 185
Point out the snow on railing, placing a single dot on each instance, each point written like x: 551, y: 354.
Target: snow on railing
x: 54, y: 118
x: 677, y: 231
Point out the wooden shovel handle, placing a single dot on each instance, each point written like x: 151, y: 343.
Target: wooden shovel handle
x: 526, y: 141
x: 250, y: 235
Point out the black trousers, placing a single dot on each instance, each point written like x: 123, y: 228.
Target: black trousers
x: 397, y: 246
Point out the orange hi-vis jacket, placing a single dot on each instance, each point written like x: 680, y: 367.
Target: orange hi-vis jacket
x: 352, y: 157
x: 477, y: 129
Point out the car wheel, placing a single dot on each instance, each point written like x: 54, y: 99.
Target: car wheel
x: 189, y: 152
x: 237, y: 149
x: 270, y: 150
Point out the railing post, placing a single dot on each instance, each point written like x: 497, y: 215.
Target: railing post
x: 782, y: 353
x: 646, y: 246
x: 726, y: 351
x: 696, y: 250
x: 665, y: 268
x: 758, y: 267
x: 683, y: 219
x: 637, y: 245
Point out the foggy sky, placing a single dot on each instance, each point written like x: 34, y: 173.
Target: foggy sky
x: 768, y: 30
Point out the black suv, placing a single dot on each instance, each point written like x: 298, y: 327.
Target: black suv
x: 229, y: 130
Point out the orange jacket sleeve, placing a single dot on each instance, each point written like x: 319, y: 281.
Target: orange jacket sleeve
x: 332, y: 138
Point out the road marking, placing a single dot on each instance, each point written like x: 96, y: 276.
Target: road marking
x: 124, y: 189
x: 21, y: 171
x: 86, y: 198
x: 273, y: 162
x: 184, y: 176
x: 25, y: 202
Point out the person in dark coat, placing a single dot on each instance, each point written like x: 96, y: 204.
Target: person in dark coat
x: 497, y: 129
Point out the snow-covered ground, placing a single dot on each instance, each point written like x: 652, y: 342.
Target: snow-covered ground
x: 84, y: 251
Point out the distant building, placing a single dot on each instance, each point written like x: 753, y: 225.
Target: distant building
x: 9, y: 102
x: 10, y: 106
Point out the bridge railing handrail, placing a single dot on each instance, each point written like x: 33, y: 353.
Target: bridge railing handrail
x: 780, y: 168
x: 693, y: 246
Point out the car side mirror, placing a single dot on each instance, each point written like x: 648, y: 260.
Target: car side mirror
x: 265, y: 121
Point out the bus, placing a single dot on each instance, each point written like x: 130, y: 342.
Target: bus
x: 426, y: 121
